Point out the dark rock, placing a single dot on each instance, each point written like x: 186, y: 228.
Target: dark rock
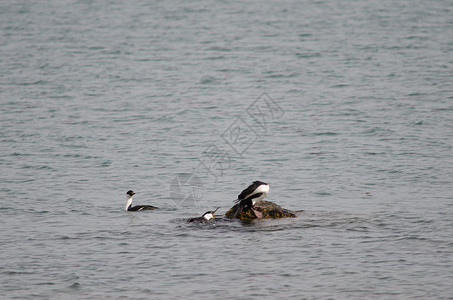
x: 268, y: 209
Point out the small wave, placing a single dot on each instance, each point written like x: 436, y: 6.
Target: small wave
x: 326, y: 133
x: 75, y: 286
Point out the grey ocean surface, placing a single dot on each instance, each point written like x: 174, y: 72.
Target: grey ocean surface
x: 99, y: 97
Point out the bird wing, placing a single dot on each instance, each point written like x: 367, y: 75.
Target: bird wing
x: 248, y: 191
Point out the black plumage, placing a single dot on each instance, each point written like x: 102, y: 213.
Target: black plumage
x: 246, y: 197
x: 140, y: 207
x: 203, y: 218
x: 248, y: 191
x: 130, y: 194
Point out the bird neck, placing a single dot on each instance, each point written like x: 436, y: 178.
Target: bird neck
x: 129, y: 201
x: 208, y: 217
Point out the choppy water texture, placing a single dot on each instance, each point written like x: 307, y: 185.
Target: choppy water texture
x: 99, y: 97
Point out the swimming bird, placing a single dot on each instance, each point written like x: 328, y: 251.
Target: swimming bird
x: 206, y: 217
x: 129, y: 195
x: 257, y: 191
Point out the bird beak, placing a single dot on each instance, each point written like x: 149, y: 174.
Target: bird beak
x: 215, y: 211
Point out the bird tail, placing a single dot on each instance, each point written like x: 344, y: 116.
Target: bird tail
x: 240, y: 207
x: 238, y: 211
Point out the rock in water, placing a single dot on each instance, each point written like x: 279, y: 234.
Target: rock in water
x: 268, y: 209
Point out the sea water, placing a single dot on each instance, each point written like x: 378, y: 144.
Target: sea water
x: 343, y: 107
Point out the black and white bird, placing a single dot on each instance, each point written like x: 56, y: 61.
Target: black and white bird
x: 257, y: 191
x: 206, y: 217
x: 129, y: 195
